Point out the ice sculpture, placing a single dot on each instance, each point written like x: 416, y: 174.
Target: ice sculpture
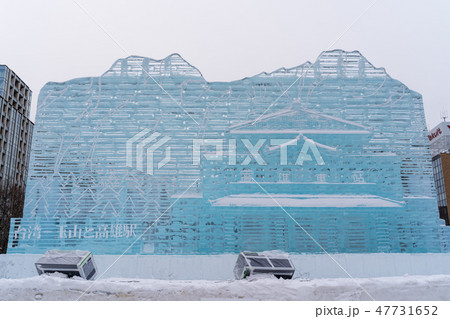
x: 329, y: 156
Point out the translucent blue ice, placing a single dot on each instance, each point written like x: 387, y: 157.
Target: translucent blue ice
x: 362, y: 183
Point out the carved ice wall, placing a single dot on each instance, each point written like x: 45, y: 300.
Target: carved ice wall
x: 374, y: 193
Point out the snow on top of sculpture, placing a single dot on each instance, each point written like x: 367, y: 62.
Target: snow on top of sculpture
x: 172, y: 66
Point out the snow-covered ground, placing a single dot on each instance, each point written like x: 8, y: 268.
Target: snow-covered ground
x: 435, y: 287
x: 154, y: 277
x: 220, y: 267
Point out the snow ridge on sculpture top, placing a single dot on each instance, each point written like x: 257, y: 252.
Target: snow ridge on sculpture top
x: 329, y: 63
x: 173, y: 65
x: 334, y: 63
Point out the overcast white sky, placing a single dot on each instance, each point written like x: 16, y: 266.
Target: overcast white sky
x: 55, y: 40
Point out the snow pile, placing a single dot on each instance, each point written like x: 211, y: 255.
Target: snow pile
x: 393, y: 288
x: 303, y: 200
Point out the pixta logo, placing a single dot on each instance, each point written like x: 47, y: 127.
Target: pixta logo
x: 145, y: 149
x: 253, y: 150
x: 144, y: 144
